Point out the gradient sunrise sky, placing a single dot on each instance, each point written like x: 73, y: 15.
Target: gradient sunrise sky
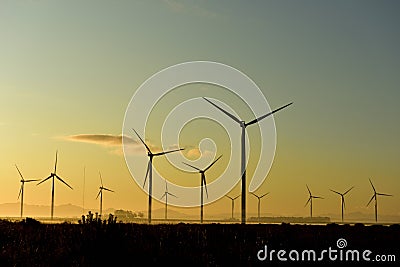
x: 69, y: 68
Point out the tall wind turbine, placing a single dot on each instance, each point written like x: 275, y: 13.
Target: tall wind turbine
x: 243, y: 125
x: 342, y: 197
x: 21, y: 191
x: 310, y: 200
x: 259, y: 202
x: 203, y: 183
x: 166, y: 193
x: 149, y: 171
x: 101, y: 193
x: 233, y: 202
x: 376, y: 200
x: 52, y: 176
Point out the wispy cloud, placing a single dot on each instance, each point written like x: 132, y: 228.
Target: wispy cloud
x: 107, y: 140
x: 195, y: 153
x: 115, y: 142
x: 101, y: 139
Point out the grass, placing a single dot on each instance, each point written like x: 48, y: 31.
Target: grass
x: 31, y: 243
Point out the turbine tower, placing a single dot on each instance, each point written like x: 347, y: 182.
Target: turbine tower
x: 233, y: 202
x: 101, y: 194
x: 203, y: 183
x: 243, y: 125
x: 21, y: 191
x: 166, y: 193
x: 149, y: 171
x: 259, y: 202
x: 310, y: 200
x: 342, y: 197
x: 52, y: 176
x: 374, y: 196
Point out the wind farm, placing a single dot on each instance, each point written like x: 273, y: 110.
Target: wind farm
x: 53, y: 176
x: 310, y: 200
x: 21, y: 191
x: 233, y: 204
x: 203, y: 183
x: 101, y: 188
x: 342, y: 199
x: 149, y: 171
x: 259, y: 203
x: 243, y: 126
x: 166, y: 194
x: 115, y: 114
x: 374, y: 197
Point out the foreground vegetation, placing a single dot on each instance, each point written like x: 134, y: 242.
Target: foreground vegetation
x: 101, y: 243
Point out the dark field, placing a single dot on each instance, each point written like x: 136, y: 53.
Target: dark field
x: 112, y: 244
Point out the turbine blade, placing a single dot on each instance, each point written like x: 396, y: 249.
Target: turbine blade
x: 20, y: 174
x: 317, y: 197
x: 254, y: 194
x: 164, y: 195
x: 191, y: 166
x: 381, y: 194
x: 98, y: 194
x: 309, y: 199
x: 171, y: 194
x: 268, y: 114
x: 108, y: 189
x: 45, y: 179
x: 147, y: 173
x: 308, y: 190
x: 229, y: 197
x: 224, y: 111
x: 236, y: 197
x: 264, y: 195
x: 31, y: 180
x: 372, y: 185
x: 55, y: 164
x: 20, y: 191
x: 205, y: 184
x: 371, y: 199
x: 167, y: 152
x: 59, y: 178
x: 148, y: 149
x: 212, y: 163
x: 335, y: 192
x: 348, y: 190
x: 101, y: 180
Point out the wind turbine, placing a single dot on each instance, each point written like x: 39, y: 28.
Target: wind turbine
x: 376, y: 200
x: 243, y: 125
x: 52, y: 176
x: 259, y: 202
x: 203, y: 183
x: 150, y: 169
x: 166, y: 193
x: 21, y: 191
x: 233, y: 202
x: 310, y: 200
x: 342, y: 197
x: 101, y: 193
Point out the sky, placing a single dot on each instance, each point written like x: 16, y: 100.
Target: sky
x: 68, y: 70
